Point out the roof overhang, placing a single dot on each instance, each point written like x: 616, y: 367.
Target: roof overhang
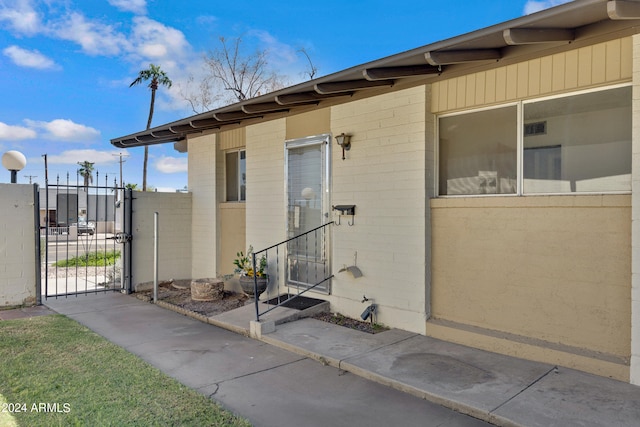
x: 573, y: 22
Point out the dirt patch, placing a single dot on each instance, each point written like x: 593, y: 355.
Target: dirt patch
x: 182, y: 298
x: 339, y: 319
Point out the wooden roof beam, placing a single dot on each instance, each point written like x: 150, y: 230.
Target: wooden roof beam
x: 384, y: 73
x: 309, y: 98
x: 233, y: 116
x: 349, y: 86
x: 203, y: 123
x: 519, y: 36
x: 462, y: 56
x: 265, y: 107
x: 623, y: 9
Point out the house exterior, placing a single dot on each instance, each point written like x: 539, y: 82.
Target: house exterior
x: 493, y: 176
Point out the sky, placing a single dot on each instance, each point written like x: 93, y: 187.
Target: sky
x: 66, y: 65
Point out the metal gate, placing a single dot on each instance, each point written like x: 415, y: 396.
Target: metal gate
x: 86, y: 237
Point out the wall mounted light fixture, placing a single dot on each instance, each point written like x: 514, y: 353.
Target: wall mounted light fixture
x: 344, y: 141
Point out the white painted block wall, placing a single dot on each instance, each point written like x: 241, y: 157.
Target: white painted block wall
x: 17, y: 245
x: 174, y: 221
x: 384, y: 176
x: 202, y: 183
x: 265, y: 206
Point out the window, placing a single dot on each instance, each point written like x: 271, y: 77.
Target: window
x: 478, y: 152
x: 569, y: 144
x: 586, y: 146
x: 236, y: 176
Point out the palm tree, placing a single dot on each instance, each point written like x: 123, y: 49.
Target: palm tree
x: 157, y: 77
x: 86, y: 171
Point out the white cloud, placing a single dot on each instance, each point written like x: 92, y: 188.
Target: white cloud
x: 533, y: 6
x: 21, y: 17
x: 72, y: 157
x: 172, y: 164
x: 207, y: 20
x: 15, y: 133
x: 94, y: 37
x: 278, y: 52
x: 65, y: 130
x: 153, y: 40
x: 138, y: 7
x: 152, y: 50
x: 29, y: 58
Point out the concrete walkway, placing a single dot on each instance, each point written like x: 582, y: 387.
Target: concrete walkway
x: 275, y: 384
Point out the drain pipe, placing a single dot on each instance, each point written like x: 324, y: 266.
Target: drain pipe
x: 155, y: 257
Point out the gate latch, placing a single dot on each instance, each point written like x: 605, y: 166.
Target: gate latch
x: 122, y: 237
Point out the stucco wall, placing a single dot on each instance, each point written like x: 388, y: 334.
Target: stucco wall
x: 551, y: 268
x: 17, y: 245
x: 174, y: 219
x: 384, y: 176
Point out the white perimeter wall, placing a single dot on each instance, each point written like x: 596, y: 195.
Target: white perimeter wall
x: 174, y: 219
x: 17, y: 245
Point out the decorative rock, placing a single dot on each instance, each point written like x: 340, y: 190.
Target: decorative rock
x: 207, y: 289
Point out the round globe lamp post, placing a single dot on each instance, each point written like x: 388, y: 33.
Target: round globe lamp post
x: 14, y: 161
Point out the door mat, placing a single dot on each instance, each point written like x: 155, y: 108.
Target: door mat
x: 298, y: 303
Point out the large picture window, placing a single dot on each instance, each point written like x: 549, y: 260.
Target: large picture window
x: 585, y: 146
x: 578, y: 143
x: 236, y: 176
x: 478, y: 152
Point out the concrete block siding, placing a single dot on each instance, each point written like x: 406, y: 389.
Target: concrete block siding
x: 174, y: 248
x: 17, y: 245
x: 384, y: 176
x: 202, y: 184
x: 265, y: 206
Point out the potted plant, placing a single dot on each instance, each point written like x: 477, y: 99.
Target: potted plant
x: 244, y: 267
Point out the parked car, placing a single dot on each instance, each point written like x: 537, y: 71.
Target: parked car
x: 85, y: 227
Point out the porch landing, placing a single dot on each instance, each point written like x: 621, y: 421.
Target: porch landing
x: 238, y: 320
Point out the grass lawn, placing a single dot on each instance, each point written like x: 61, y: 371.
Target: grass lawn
x: 56, y: 372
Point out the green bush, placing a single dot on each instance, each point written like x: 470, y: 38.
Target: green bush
x: 93, y: 259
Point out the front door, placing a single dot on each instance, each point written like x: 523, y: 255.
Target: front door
x: 307, y: 195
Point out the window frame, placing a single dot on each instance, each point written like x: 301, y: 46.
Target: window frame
x: 520, y: 104
x: 239, y: 152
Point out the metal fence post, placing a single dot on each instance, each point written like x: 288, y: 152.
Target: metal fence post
x: 155, y: 257
x: 36, y: 223
x: 255, y: 286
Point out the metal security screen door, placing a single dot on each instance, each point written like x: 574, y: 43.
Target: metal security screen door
x: 307, y: 163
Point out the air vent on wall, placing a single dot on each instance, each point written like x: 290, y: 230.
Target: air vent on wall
x: 537, y: 128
